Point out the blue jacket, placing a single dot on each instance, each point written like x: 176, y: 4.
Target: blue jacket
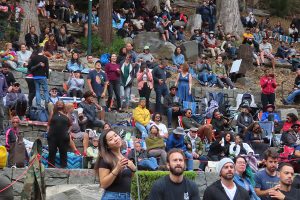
x: 3, y: 86
x: 178, y: 60
x: 74, y: 66
x: 239, y: 181
x: 265, y: 115
x: 173, y: 142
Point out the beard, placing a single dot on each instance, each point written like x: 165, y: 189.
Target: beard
x: 177, y: 170
x: 227, y: 176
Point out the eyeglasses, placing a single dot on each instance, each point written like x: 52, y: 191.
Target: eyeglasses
x: 193, y: 131
x: 189, y: 113
x: 241, y: 163
x: 14, y: 122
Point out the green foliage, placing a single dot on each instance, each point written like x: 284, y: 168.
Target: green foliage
x: 147, y: 178
x: 98, y: 47
x: 282, y: 8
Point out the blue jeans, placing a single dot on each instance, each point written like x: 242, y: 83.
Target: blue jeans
x: 206, y: 77
x: 149, y: 163
x: 116, y: 196
x: 291, y: 97
x: 161, y: 90
x: 189, y: 162
x: 41, y: 83
x: 142, y: 129
x: 170, y: 114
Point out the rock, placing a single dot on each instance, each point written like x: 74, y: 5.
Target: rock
x: 190, y: 49
x: 56, y: 78
x: 74, y: 192
x: 283, y: 112
x: 58, y: 65
x: 194, y: 22
x: 128, y: 40
x: 243, y: 81
x: 166, y: 50
x: 149, y: 4
x: 152, y: 39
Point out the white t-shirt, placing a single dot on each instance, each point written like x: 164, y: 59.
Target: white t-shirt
x: 230, y: 192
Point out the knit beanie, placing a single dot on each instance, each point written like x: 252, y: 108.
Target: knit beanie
x: 221, y: 164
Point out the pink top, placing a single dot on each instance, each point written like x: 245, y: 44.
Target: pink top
x: 144, y: 77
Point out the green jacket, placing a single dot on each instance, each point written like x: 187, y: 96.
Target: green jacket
x: 219, y: 70
x: 189, y: 122
x: 198, y: 144
x: 155, y: 143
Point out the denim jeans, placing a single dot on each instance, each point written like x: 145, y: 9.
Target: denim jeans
x: 170, y: 115
x: 41, y: 84
x: 116, y: 196
x: 149, y: 163
x: 189, y: 162
x: 291, y: 97
x: 142, y: 129
x: 206, y: 77
x: 161, y: 90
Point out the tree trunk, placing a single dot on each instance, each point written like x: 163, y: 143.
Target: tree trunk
x: 30, y: 18
x: 105, y: 13
x: 228, y: 15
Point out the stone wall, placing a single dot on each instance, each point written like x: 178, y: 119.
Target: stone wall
x: 67, y: 178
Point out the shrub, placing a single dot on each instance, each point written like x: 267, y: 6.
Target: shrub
x: 99, y: 48
x: 147, y: 178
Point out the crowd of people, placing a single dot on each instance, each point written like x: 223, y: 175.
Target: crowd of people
x: 239, y: 146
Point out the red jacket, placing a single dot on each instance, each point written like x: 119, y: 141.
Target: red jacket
x: 267, y: 85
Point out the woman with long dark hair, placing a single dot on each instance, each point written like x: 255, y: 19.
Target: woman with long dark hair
x: 244, y: 177
x: 58, y: 134
x: 113, y: 72
x: 220, y: 148
x: 74, y: 64
x: 114, y: 170
x: 291, y: 119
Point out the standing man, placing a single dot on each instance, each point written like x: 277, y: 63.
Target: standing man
x: 174, y: 186
x: 267, y: 179
x: 225, y: 188
x: 3, y: 91
x: 97, y: 82
x: 285, y: 190
x: 39, y: 67
x: 172, y: 105
x: 159, y: 75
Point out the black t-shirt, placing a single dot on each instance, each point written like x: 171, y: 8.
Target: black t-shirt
x: 122, y: 182
x: 297, y: 81
x: 293, y: 194
x: 164, y: 189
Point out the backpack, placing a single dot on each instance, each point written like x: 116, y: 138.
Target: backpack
x: 104, y: 59
x: 38, y: 114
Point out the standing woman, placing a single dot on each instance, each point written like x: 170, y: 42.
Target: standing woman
x: 113, y: 72
x: 58, y: 134
x: 114, y: 170
x: 184, y: 84
x: 127, y: 76
x: 145, y: 82
x: 268, y: 85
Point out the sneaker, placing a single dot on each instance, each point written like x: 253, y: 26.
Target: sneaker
x: 234, y: 88
x: 205, y: 83
x: 77, y: 152
x: 224, y: 88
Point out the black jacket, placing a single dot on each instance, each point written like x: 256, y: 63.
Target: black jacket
x: 35, y: 68
x: 216, y: 192
x: 31, y: 42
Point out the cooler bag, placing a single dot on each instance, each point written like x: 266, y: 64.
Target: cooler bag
x: 73, y: 161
